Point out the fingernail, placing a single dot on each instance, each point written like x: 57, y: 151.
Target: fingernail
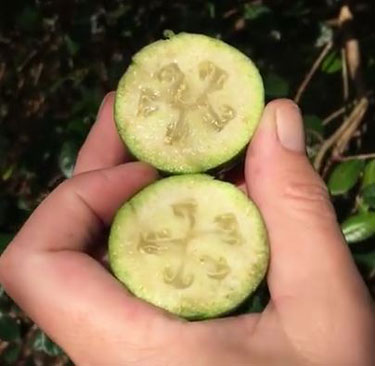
x: 290, y: 127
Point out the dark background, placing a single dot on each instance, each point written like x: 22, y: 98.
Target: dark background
x: 59, y: 58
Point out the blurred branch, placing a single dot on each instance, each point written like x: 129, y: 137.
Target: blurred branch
x: 333, y: 116
x: 344, y: 139
x: 311, y: 72
x: 340, y: 139
x: 345, y: 79
x: 27, y: 61
x: 353, y: 119
x: 357, y: 157
x: 352, y: 50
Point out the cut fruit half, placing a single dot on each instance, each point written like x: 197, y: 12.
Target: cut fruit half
x: 190, y: 244
x: 188, y: 104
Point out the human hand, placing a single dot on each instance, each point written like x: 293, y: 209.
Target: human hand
x: 320, y: 312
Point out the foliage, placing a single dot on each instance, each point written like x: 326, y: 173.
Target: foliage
x: 58, y: 59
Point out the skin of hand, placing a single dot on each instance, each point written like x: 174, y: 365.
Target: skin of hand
x: 320, y: 312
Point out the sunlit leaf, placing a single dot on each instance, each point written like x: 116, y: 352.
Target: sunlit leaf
x: 43, y: 344
x: 275, y: 86
x: 345, y: 176
x: 9, y: 328
x: 359, y: 227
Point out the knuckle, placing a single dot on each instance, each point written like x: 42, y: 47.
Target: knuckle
x: 311, y: 199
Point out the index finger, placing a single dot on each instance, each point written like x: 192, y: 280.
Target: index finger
x: 103, y: 147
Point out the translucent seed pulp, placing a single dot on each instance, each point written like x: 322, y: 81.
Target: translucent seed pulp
x: 175, y: 91
x: 180, y: 276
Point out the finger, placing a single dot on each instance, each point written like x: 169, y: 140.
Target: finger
x: 103, y: 147
x: 84, y: 308
x: 81, y: 207
x: 310, y: 262
x: 81, y: 306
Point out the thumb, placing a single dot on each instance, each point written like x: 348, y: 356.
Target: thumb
x: 310, y: 262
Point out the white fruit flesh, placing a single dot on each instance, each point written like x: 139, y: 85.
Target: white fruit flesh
x: 188, y: 104
x: 192, y: 245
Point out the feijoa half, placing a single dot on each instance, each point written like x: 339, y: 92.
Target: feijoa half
x: 188, y: 104
x: 190, y: 244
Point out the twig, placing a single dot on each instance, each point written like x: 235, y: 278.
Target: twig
x: 333, y: 116
x: 26, y: 349
x: 345, y: 80
x: 339, y: 141
x: 316, y: 134
x: 229, y: 13
x: 329, y: 143
x: 337, y: 113
x: 352, y: 50
x: 311, y: 72
x: 2, y: 71
x: 344, y: 139
x: 37, y: 72
x: 28, y: 59
x: 357, y: 157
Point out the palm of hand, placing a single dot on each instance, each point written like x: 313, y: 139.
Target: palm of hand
x: 319, y: 313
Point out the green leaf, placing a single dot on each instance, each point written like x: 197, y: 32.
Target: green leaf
x: 276, y: 86
x: 345, y: 176
x: 332, y: 63
x: 359, y: 227
x: 43, y: 344
x: 254, y: 11
x: 11, y: 354
x: 8, y: 172
x: 365, y: 259
x: 368, y: 195
x: 211, y: 9
x: 258, y: 303
x: 5, y: 301
x: 363, y: 207
x: 369, y: 174
x: 67, y: 158
x: 9, y: 328
x: 118, y: 13
x: 314, y: 123
x: 29, y: 19
x: 5, y: 239
x: 71, y: 46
